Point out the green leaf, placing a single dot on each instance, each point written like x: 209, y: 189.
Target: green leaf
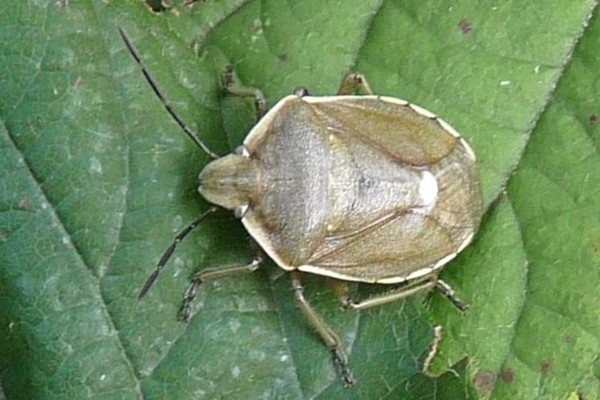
x: 96, y: 179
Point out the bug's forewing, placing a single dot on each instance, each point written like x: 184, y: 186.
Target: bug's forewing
x: 390, y: 125
x: 388, y: 233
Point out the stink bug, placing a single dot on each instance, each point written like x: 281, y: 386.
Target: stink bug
x: 358, y: 188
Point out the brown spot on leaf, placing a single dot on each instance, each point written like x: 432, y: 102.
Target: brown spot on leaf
x: 283, y: 56
x: 485, y: 380
x: 545, y: 366
x: 507, y: 375
x: 465, y: 25
x: 77, y: 82
x: 593, y: 119
x: 24, y: 204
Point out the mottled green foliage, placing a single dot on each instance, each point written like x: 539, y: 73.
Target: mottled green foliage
x: 95, y: 179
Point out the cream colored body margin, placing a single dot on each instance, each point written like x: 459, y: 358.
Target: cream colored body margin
x: 262, y: 238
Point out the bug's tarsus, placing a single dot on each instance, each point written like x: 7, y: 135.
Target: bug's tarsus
x: 213, y: 274
x: 171, y: 249
x: 191, y: 134
x: 354, y: 81
x: 447, y: 291
x: 339, y: 358
x: 330, y: 338
x: 188, y: 301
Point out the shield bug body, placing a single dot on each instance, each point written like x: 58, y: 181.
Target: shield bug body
x: 355, y: 187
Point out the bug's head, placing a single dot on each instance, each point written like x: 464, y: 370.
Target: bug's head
x: 230, y: 181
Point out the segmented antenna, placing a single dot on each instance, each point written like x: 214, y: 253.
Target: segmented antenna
x: 191, y: 134
x: 171, y: 249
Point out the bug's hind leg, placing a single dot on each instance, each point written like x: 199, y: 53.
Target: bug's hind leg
x: 233, y: 88
x: 330, y: 338
x: 447, y: 291
x: 401, y: 292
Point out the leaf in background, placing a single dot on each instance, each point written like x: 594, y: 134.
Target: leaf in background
x: 556, y: 194
x: 95, y: 179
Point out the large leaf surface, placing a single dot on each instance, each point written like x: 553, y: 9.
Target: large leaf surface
x: 95, y: 179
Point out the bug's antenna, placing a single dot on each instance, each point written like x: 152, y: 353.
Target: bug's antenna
x: 191, y: 134
x: 171, y: 249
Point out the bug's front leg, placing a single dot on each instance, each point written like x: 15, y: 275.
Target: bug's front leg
x: 233, y: 88
x: 213, y: 274
x: 330, y: 338
x: 354, y: 81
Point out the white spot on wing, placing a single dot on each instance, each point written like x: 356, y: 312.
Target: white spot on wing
x: 428, y: 189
